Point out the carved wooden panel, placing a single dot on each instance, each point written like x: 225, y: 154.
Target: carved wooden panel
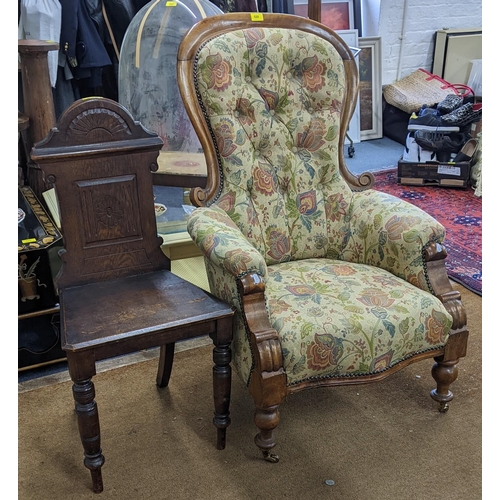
x: 110, y: 210
x: 100, y: 161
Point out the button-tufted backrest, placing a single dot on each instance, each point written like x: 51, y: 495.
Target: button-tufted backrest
x: 273, y: 98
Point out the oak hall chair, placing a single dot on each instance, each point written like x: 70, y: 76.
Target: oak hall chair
x: 116, y: 291
x: 333, y: 282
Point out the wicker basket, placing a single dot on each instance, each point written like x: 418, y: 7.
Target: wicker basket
x: 418, y: 88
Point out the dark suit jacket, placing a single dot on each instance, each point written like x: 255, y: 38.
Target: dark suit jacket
x: 80, y: 40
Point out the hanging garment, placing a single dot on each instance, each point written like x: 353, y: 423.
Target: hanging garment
x: 81, y: 43
x: 241, y: 5
x: 119, y: 14
x: 41, y: 20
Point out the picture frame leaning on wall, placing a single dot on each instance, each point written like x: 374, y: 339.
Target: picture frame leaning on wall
x: 336, y: 14
x: 370, y: 87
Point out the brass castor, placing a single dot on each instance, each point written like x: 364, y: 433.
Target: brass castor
x: 442, y: 400
x: 443, y: 407
x: 270, y: 457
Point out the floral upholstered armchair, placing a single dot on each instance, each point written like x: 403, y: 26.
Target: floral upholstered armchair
x: 333, y: 282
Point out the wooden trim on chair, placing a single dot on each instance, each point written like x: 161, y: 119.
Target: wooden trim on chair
x: 439, y: 283
x: 363, y: 379
x: 268, y: 378
x: 213, y: 26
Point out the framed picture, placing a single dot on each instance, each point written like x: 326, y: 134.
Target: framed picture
x: 370, y: 87
x: 336, y: 14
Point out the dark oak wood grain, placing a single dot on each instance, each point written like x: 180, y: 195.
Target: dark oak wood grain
x: 117, y: 293
x: 38, y: 100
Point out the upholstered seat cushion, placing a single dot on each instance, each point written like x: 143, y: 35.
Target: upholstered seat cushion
x: 342, y: 318
x: 336, y: 318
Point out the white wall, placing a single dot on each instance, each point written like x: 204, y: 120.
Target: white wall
x: 407, y: 28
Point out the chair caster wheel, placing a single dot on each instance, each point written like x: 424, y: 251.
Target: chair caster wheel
x: 443, y: 407
x: 270, y: 457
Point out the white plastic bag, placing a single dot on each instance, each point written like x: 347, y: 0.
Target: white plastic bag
x: 414, y: 153
x: 41, y: 20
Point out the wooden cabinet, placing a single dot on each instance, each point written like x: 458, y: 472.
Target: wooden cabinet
x: 39, y: 242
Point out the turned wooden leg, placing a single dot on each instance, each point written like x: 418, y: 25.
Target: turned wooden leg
x: 81, y: 366
x: 165, y: 364
x: 88, y: 424
x: 266, y: 419
x: 222, y: 389
x: 444, y: 373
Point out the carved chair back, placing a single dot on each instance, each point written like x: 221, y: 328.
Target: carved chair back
x: 101, y: 161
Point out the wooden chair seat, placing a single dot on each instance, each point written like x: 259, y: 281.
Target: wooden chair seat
x: 136, y: 313
x: 152, y: 309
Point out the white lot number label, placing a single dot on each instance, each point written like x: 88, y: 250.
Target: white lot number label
x: 448, y: 170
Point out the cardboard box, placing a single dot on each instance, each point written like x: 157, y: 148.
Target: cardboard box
x: 434, y: 174
x: 476, y: 128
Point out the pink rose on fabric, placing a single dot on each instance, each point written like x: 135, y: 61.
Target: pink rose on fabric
x: 301, y: 290
x: 382, y: 362
x: 279, y: 244
x: 435, y: 328
x: 324, y: 352
x: 312, y: 138
x: 264, y: 180
x: 306, y: 202
x: 313, y: 73
x: 270, y: 98
x: 397, y: 225
x: 224, y: 132
x: 238, y: 260
x: 226, y: 202
x: 252, y: 36
x: 217, y: 73
x: 336, y: 207
x: 246, y: 111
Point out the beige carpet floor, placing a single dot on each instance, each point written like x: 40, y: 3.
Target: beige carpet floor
x: 381, y: 441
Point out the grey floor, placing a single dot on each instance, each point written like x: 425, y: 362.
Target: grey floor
x: 373, y: 155
x: 368, y: 156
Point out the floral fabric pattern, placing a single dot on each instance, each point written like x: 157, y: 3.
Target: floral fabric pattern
x: 336, y: 318
x: 344, y: 271
x: 333, y: 317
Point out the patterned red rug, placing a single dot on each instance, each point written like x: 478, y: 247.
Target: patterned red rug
x: 459, y: 211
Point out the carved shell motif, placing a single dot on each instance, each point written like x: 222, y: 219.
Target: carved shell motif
x: 102, y: 119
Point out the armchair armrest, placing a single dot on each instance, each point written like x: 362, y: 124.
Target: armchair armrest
x: 231, y: 255
x: 391, y: 235
x: 221, y: 241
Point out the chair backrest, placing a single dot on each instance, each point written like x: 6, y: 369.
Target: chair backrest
x: 100, y: 161
x: 271, y: 101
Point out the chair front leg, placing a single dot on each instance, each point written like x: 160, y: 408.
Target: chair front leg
x: 222, y: 378
x: 445, y: 369
x: 268, y: 379
x: 81, y: 369
x: 267, y: 419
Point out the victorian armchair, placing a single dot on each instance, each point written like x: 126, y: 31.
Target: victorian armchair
x: 333, y: 282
